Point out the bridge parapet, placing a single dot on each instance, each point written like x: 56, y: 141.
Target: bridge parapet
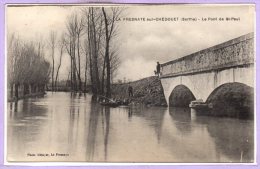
x: 238, y: 52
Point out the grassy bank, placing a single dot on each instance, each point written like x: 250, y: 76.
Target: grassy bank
x: 146, y: 91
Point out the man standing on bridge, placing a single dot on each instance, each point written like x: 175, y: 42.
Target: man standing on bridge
x: 158, y: 69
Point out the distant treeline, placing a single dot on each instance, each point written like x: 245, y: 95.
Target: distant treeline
x: 64, y: 86
x: 28, y: 71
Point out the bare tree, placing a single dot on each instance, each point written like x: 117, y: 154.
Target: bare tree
x: 12, y: 56
x: 86, y: 64
x: 111, y: 30
x: 93, y: 38
x: 79, y: 27
x: 27, y: 66
x: 71, y: 42
x: 14, y: 52
x: 61, y: 47
x: 53, y: 38
x: 101, y: 28
x: 93, y: 17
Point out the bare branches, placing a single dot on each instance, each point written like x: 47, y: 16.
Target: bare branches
x: 61, y: 47
x: 75, y: 27
x: 53, y: 37
x: 26, y: 64
x: 111, y: 29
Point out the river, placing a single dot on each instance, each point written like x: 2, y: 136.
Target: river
x: 65, y: 127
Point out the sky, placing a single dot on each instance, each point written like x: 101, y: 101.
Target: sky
x: 142, y: 43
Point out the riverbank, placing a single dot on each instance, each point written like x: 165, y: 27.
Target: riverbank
x: 147, y: 91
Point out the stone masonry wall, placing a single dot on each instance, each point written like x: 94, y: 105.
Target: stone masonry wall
x: 234, y: 53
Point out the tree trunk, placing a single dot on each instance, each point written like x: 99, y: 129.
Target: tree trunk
x: 11, y: 90
x: 90, y: 55
x: 103, y: 77
x: 25, y: 89
x: 16, y: 88
x: 79, y: 66
x: 58, y: 69
x: 108, y: 92
x: 86, y: 68
x: 74, y: 65
x: 95, y: 55
x: 71, y: 68
x: 52, y: 73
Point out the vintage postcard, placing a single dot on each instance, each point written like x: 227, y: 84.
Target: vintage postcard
x: 130, y: 83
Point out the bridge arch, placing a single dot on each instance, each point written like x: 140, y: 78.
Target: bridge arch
x: 204, y: 83
x: 181, y: 96
x: 232, y: 99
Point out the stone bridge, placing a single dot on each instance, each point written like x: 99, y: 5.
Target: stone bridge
x: 204, y: 72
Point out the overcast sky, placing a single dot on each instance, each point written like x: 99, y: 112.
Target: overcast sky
x: 143, y: 43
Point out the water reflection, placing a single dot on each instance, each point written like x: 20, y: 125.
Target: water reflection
x: 182, y: 118
x: 92, y: 130
x: 83, y: 130
x: 153, y: 117
x: 107, y: 117
x: 24, y: 118
x: 211, y: 138
x: 238, y: 136
x: 232, y: 137
x: 13, y: 108
x: 73, y: 128
x: 130, y: 113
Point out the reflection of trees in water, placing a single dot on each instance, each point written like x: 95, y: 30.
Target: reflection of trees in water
x: 130, y: 113
x: 25, y: 123
x: 73, y: 95
x: 19, y: 108
x: 74, y: 119
x: 13, y: 108
x: 92, y: 130
x: 232, y: 137
x: 182, y: 118
x: 153, y: 116
x: 107, y: 120
x: 73, y: 128
x: 96, y: 112
x: 25, y: 109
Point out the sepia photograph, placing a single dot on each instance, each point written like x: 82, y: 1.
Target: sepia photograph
x: 130, y: 83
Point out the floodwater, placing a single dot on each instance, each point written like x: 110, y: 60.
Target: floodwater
x: 61, y: 127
